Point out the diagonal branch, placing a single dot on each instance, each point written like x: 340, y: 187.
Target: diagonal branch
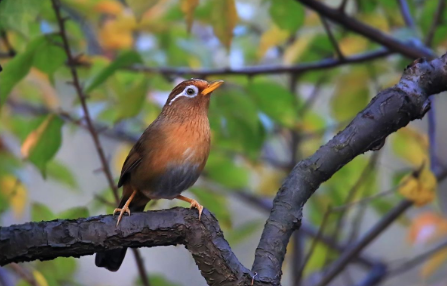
x: 390, y: 110
x: 437, y: 20
x: 406, y: 14
x: 369, y: 32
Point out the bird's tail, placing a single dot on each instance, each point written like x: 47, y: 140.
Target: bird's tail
x: 112, y: 259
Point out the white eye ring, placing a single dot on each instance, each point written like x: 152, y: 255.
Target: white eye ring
x: 189, y: 91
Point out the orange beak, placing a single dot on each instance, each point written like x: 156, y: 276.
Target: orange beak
x: 212, y: 86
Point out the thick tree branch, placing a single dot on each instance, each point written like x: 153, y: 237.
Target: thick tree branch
x: 85, y: 236
x: 390, y: 110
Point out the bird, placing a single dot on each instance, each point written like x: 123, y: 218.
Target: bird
x: 168, y: 158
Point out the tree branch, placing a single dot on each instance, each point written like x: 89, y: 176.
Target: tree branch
x: 405, y: 11
x: 390, y: 110
x: 258, y: 70
x: 369, y: 32
x: 437, y: 20
x: 85, y: 236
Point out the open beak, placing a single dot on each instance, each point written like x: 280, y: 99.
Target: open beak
x: 212, y: 86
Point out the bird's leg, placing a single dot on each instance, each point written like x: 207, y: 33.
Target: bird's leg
x: 194, y: 203
x: 125, y: 208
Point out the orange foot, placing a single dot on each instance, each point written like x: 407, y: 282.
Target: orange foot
x: 124, y: 209
x: 194, y: 204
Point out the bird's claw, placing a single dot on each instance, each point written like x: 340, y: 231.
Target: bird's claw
x: 199, y: 207
x: 125, y: 209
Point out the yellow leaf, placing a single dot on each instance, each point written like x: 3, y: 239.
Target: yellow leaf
x: 272, y: 37
x: 120, y: 156
x: 40, y: 79
x: 224, y: 20
x: 354, y: 44
x: 434, y: 263
x: 376, y: 20
x: 411, y: 145
x: 312, y: 19
x: 109, y: 7
x: 41, y: 281
x: 32, y: 139
x: 117, y: 33
x: 139, y: 7
x: 419, y: 187
x: 15, y: 192
x: 188, y: 7
x: 295, y: 50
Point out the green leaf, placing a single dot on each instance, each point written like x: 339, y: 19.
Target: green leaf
x: 216, y: 203
x: 13, y: 72
x: 43, y: 143
x: 224, y: 171
x: 19, y: 14
x: 124, y: 60
x: 275, y: 101
x: 350, y: 99
x: 74, y: 213
x: 157, y: 280
x: 224, y: 19
x: 132, y: 99
x: 40, y: 212
x: 240, y: 233
x: 61, y: 174
x: 50, y: 56
x: 58, y: 271
x: 17, y: 68
x: 287, y: 14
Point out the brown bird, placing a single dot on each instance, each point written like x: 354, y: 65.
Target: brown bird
x: 168, y: 158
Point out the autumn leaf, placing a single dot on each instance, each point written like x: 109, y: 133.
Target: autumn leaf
x: 139, y: 7
x: 419, y: 186
x: 109, y: 7
x: 294, y: 51
x: 15, y: 192
x: 224, y: 20
x: 188, y: 7
x: 426, y: 227
x: 40, y: 279
x: 41, y: 144
x: 271, y: 38
x: 352, y: 45
x: 411, y: 145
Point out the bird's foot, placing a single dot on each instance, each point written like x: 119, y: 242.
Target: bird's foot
x: 199, y: 207
x: 125, y: 209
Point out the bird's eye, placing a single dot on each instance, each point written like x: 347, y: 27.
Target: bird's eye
x: 190, y: 91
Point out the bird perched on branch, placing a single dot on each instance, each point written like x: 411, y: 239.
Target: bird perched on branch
x: 168, y: 158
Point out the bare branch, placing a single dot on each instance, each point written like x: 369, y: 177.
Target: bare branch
x: 390, y: 110
x: 332, y: 38
x: 258, y: 70
x: 437, y: 20
x: 85, y: 236
x: 405, y: 11
x: 369, y: 32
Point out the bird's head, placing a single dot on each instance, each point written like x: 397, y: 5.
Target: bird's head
x: 193, y: 94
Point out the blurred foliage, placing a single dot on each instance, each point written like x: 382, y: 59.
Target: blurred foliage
x: 253, y: 118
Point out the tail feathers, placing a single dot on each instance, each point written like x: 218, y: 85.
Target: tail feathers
x: 112, y: 259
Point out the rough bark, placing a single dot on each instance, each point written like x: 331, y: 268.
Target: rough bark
x: 390, y: 110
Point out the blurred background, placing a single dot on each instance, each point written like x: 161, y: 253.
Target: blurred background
x: 292, y: 81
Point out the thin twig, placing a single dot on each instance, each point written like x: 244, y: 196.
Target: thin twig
x: 331, y: 36
x: 10, y: 50
x: 404, y: 267
x: 437, y: 20
x: 258, y: 70
x: 24, y: 274
x: 377, y: 229
x: 363, y: 201
x: 405, y: 11
x: 314, y: 242
x: 91, y: 127
x: 342, y: 7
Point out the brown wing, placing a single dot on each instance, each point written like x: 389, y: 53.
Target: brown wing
x: 132, y: 161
